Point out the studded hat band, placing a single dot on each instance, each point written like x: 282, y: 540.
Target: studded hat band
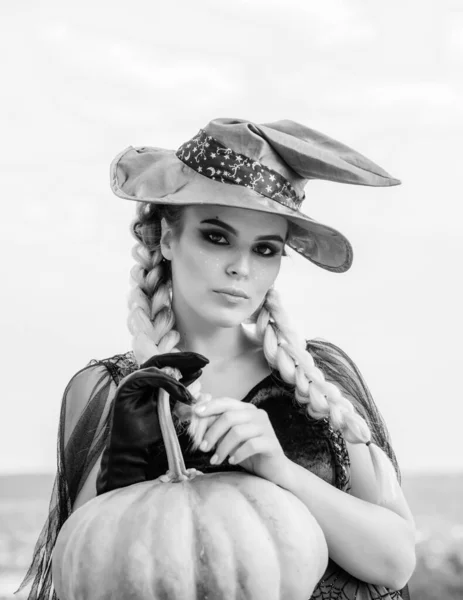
x: 210, y: 158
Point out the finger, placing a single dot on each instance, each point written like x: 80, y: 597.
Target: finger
x: 198, y: 428
x: 222, y: 425
x: 256, y: 445
x: 219, y: 405
x: 234, y: 439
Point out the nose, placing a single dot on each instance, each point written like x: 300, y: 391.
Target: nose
x: 239, y: 266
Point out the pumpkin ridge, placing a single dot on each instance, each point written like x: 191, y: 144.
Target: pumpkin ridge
x: 245, y: 497
x: 215, y: 584
x: 257, y: 508
x: 200, y: 554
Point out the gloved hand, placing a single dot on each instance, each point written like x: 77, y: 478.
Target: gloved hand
x: 190, y: 364
x: 134, y: 424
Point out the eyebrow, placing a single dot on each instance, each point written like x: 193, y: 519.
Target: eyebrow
x: 274, y: 237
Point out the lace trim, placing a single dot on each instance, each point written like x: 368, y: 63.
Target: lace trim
x: 337, y: 584
x: 342, y: 461
x: 119, y: 365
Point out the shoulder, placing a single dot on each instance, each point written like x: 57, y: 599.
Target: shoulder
x: 339, y: 368
x: 118, y: 365
x: 98, y: 371
x: 94, y: 381
x: 332, y: 358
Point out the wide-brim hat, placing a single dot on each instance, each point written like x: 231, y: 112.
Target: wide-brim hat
x: 236, y: 163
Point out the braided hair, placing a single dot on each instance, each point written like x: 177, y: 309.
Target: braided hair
x: 151, y: 319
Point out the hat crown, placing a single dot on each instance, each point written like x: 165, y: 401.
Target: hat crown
x: 298, y: 153
x: 244, y: 137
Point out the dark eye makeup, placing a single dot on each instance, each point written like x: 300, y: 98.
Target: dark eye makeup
x: 213, y: 237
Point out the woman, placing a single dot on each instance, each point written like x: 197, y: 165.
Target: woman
x: 213, y: 220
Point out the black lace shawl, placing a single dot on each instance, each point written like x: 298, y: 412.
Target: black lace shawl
x: 84, y: 421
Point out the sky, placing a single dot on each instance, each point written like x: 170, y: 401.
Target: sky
x: 82, y: 82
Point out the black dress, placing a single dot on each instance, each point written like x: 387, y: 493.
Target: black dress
x: 312, y: 443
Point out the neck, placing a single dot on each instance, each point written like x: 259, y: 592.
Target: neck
x: 215, y: 343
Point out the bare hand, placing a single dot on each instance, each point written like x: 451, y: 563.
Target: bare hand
x: 245, y: 434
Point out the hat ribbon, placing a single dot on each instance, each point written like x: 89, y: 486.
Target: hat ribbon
x: 209, y: 157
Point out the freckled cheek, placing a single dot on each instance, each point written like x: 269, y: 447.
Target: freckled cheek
x: 205, y: 262
x: 200, y: 266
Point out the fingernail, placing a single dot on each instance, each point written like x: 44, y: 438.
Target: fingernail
x: 200, y: 409
x: 214, y: 459
x: 203, y: 446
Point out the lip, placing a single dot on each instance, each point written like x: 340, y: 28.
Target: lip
x: 232, y: 291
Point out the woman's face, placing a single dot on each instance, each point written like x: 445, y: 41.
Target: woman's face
x: 220, y: 250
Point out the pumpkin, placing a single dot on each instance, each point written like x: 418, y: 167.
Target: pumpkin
x: 189, y: 535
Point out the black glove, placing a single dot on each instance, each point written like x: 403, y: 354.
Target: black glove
x: 134, y: 423
x: 189, y: 364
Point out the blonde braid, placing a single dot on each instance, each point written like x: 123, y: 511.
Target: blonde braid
x: 286, y: 351
x: 151, y: 319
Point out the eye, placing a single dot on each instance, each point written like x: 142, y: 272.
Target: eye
x: 214, y: 237
x: 267, y: 250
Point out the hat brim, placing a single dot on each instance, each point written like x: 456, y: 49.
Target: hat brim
x: 159, y: 177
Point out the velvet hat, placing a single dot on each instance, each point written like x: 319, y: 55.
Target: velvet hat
x: 233, y: 162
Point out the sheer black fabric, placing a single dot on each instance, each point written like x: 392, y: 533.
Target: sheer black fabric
x: 339, y: 368
x: 84, y: 422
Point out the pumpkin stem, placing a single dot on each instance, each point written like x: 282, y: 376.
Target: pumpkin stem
x: 177, y: 469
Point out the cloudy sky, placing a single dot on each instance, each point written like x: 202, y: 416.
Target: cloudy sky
x: 80, y: 82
